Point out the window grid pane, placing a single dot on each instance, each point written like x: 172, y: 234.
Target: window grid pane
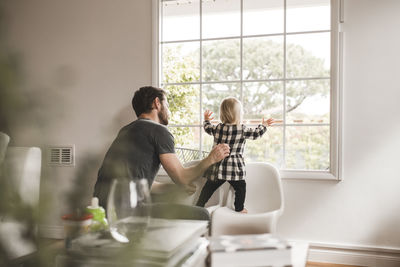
x: 307, y: 147
x: 225, y: 67
x: 180, y: 20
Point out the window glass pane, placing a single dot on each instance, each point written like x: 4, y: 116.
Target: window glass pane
x: 220, y: 18
x: 189, y: 154
x: 180, y: 62
x: 184, y: 104
x: 308, y: 15
x: 221, y: 60
x: 262, y: 17
x: 308, y: 101
x: 186, y: 137
x: 308, y: 55
x: 307, y: 147
x: 262, y: 100
x: 266, y: 149
x: 213, y: 94
x: 180, y: 20
x: 263, y: 58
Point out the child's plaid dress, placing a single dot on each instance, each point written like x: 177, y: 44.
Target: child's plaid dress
x: 232, y: 167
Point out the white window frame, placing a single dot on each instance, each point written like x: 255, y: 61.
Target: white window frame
x: 337, y: 20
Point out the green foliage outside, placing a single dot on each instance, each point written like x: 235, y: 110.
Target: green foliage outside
x: 183, y: 100
x: 306, y: 147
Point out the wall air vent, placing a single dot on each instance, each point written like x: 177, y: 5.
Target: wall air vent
x: 61, y: 155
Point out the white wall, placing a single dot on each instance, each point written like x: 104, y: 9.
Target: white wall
x: 82, y: 60
x: 364, y: 208
x: 89, y: 56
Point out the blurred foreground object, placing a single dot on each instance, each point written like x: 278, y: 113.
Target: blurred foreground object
x: 19, y: 200
x: 75, y: 225
x: 166, y: 243
x: 99, y: 221
x: 250, y: 250
x: 129, y: 209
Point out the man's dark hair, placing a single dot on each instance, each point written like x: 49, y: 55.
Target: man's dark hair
x: 142, y: 100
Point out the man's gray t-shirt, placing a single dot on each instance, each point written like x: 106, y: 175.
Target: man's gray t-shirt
x: 134, y: 154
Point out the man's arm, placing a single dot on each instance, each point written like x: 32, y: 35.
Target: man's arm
x: 185, y: 176
x: 160, y: 188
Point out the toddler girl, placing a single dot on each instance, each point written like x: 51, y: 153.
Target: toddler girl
x: 232, y: 168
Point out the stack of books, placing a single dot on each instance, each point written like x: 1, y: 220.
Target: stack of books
x: 167, y: 243
x: 249, y: 250
x: 174, y: 243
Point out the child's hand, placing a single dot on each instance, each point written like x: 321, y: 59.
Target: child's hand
x: 208, y: 115
x: 268, y: 122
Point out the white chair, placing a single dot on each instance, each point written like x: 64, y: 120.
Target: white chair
x: 22, y: 167
x: 4, y: 139
x: 20, y: 176
x: 179, y: 195
x: 264, y: 202
x: 216, y: 200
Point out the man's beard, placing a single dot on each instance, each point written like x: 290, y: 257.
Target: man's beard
x: 163, y: 116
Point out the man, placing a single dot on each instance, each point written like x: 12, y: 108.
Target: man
x: 143, y: 145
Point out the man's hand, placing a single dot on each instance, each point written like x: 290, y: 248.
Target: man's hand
x: 218, y: 153
x: 185, y: 176
x: 268, y: 122
x: 208, y: 115
x: 161, y: 188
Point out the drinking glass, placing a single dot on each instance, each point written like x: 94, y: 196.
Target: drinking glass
x: 128, y: 209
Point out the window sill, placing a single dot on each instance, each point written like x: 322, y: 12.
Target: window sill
x: 309, y: 175
x: 162, y: 175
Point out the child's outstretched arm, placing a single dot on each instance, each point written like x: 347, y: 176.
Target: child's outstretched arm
x: 268, y: 122
x: 208, y: 127
x: 254, y: 133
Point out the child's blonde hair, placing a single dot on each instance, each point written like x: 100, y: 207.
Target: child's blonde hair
x: 230, y: 111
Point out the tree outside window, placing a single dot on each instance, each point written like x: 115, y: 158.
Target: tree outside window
x: 276, y: 75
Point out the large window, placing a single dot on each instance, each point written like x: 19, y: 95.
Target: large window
x: 279, y: 57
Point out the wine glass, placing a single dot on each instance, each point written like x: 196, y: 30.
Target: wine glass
x: 128, y: 209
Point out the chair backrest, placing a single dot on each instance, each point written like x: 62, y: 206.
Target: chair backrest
x: 22, y: 168
x: 181, y: 197
x: 219, y: 195
x: 263, y: 189
x: 21, y: 174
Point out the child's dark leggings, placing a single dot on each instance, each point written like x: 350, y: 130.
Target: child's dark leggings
x: 210, y: 187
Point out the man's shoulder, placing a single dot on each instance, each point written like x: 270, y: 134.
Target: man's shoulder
x: 147, y: 124
x: 153, y: 128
